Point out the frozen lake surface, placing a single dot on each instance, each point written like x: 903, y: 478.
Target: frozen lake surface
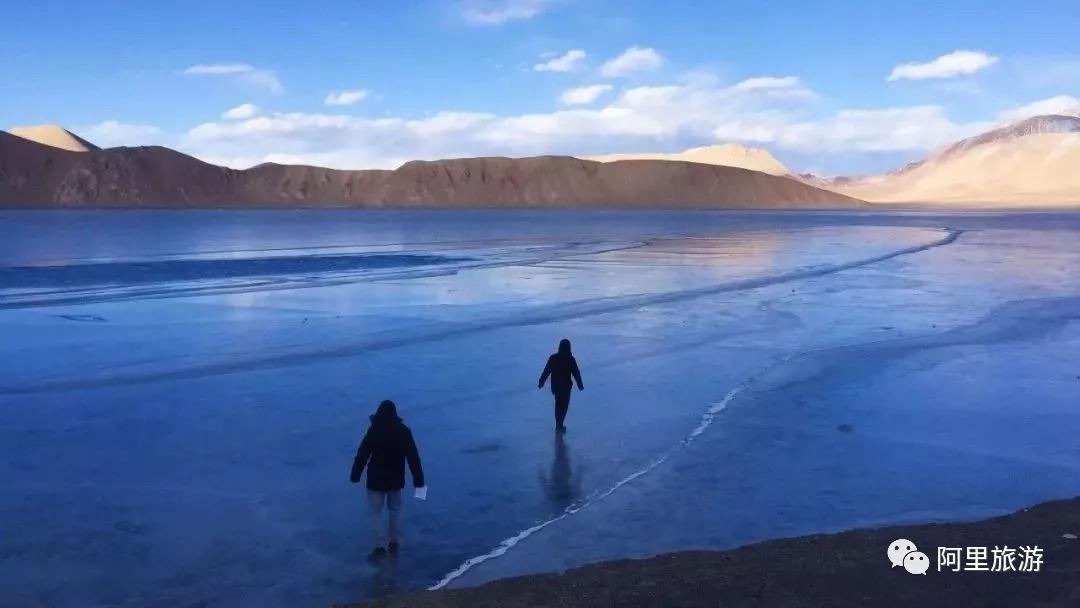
x: 182, y: 392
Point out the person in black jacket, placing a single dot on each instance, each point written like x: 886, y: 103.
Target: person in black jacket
x: 561, y: 367
x: 387, y: 446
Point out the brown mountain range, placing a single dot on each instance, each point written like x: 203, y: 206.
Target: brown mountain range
x: 33, y: 175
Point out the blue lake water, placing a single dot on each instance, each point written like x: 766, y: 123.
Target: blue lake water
x: 182, y: 392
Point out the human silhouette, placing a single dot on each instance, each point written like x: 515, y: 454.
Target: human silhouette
x: 387, y: 446
x: 563, y: 369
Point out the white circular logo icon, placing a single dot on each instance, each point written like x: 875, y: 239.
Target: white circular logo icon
x: 916, y: 562
x: 898, y: 549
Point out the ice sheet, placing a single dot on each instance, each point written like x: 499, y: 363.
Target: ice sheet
x: 184, y: 437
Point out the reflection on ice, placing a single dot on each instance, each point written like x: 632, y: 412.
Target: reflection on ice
x: 562, y: 483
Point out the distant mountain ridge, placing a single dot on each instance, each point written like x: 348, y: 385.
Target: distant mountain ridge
x: 55, y: 136
x: 33, y: 175
x: 1036, y: 125
x: 728, y: 155
x: 1033, y: 162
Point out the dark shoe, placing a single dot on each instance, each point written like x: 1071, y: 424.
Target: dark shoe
x: 394, y: 548
x: 561, y: 429
x: 377, y: 553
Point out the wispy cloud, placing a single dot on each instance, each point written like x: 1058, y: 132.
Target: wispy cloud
x: 786, y: 87
x: 583, y: 95
x: 905, y: 128
x: 960, y: 86
x: 956, y: 63
x: 567, y: 62
x: 665, y: 116
x: 218, y: 69
x: 1045, y: 71
x: 241, y: 72
x: 111, y: 133
x: 1061, y: 104
x: 633, y: 59
x: 345, y: 98
x: 241, y: 112
x: 643, y: 117
x: 498, y: 12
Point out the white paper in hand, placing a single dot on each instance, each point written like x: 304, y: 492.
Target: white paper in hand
x: 421, y: 493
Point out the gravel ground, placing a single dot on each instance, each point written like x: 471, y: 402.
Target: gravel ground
x: 847, y: 569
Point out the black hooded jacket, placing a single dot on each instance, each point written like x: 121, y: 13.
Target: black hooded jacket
x: 387, y: 446
x: 563, y: 369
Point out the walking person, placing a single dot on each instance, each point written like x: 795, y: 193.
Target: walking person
x: 387, y: 446
x: 563, y: 369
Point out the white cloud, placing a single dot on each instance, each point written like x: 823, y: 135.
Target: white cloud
x: 111, y: 133
x: 698, y: 111
x: 218, y: 69
x: 567, y: 62
x: 242, y: 111
x: 654, y: 96
x: 345, y: 98
x: 498, y: 12
x: 633, y: 59
x: 639, y: 118
x: 911, y: 128
x: 956, y: 63
x: 786, y: 87
x: 583, y: 95
x: 1062, y: 104
x: 241, y: 72
x: 334, y: 140
x: 767, y: 83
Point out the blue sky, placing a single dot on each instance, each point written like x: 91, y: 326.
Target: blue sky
x: 831, y: 86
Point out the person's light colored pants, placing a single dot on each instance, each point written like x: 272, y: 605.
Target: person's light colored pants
x: 392, y: 500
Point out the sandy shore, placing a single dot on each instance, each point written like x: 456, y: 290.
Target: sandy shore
x: 847, y: 569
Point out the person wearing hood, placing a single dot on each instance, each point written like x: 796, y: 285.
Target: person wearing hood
x: 387, y: 446
x: 563, y: 370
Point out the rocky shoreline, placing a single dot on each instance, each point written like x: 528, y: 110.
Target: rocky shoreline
x: 846, y: 569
